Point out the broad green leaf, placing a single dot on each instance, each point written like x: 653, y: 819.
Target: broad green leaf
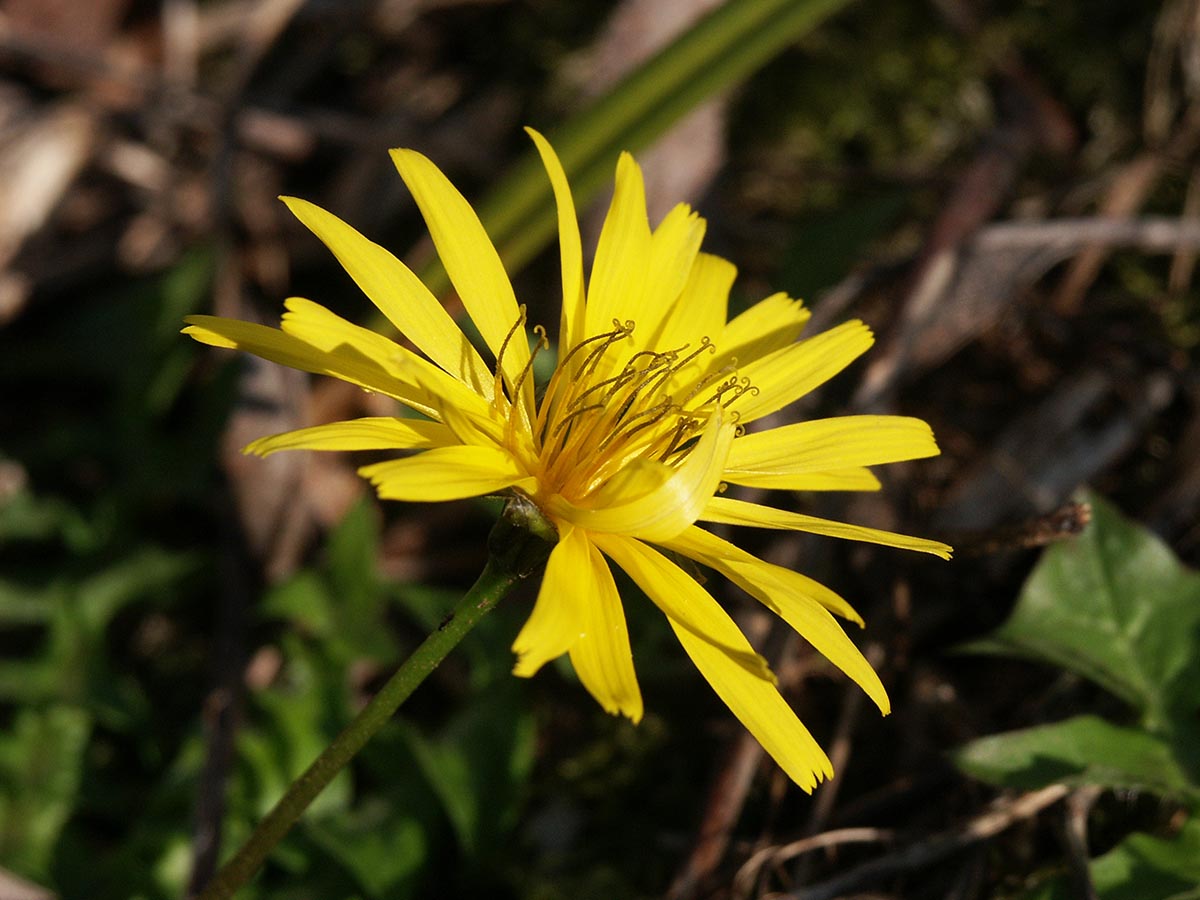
x: 1141, y: 867
x: 1082, y: 750
x: 1115, y: 606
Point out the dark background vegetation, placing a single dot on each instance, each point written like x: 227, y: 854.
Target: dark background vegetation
x: 182, y: 628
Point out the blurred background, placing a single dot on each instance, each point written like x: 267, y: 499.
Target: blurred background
x: 1007, y: 193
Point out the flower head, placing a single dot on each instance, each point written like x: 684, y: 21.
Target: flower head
x: 627, y: 446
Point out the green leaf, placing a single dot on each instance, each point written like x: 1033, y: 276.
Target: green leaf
x: 345, y: 602
x: 479, y: 765
x: 1082, y: 750
x: 304, y: 601
x: 26, y: 517
x: 382, y: 851
x: 294, y: 719
x: 41, y: 759
x: 1115, y: 606
x: 70, y: 661
x: 360, y: 598
x: 1141, y: 867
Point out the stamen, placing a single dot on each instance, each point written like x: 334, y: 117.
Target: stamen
x: 660, y: 373
x: 705, y: 344
x: 566, y: 420
x: 704, y: 383
x: 655, y: 413
x: 619, y: 332
x: 679, y: 438
x: 567, y: 381
x: 600, y: 412
x: 510, y: 425
x: 648, y: 375
x: 499, y: 377
x: 542, y: 343
x: 608, y: 336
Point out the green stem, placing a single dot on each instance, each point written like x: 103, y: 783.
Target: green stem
x: 498, y: 577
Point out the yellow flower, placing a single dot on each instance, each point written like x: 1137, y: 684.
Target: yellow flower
x: 627, y: 447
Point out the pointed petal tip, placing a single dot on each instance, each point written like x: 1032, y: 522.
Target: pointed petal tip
x: 194, y: 325
x: 628, y: 166
x: 407, y: 160
x: 405, y: 155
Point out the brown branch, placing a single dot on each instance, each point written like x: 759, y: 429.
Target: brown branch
x: 1003, y: 814
x: 746, y: 881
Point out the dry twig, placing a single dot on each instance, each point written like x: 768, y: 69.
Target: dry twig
x: 1003, y: 814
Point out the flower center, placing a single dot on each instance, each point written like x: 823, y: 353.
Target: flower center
x: 607, y: 406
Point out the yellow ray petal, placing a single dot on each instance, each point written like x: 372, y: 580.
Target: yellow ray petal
x: 765, y: 327
x: 787, y: 374
x: 570, y: 249
x: 557, y: 620
x: 738, y: 512
x: 700, y: 313
x: 473, y: 426
x: 602, y: 657
x: 637, y: 479
x: 704, y: 546
x: 684, y: 601
x: 724, y: 657
x: 823, y: 444
x: 852, y: 479
x: 670, y: 505
x: 621, y: 254
x: 341, y: 362
x: 374, y: 433
x: 447, y: 473
x: 759, y: 706
x: 472, y: 263
x: 774, y: 587
x: 318, y: 326
x: 673, y: 249
x: 399, y: 294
